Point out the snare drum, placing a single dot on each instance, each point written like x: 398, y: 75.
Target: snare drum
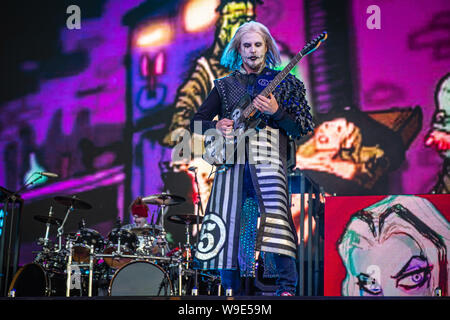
x: 84, y: 240
x: 128, y: 244
x: 140, y: 278
x: 32, y: 280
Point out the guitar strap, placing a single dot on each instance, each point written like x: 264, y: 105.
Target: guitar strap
x: 237, y: 89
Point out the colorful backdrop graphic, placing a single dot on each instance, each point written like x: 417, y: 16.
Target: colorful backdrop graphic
x: 97, y: 105
x: 361, y: 258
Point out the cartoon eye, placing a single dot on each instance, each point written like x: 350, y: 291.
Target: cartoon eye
x: 414, y: 279
x: 440, y: 117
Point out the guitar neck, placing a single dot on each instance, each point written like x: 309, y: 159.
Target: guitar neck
x: 274, y: 83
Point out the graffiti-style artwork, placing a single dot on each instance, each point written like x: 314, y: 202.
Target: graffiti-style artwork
x: 387, y: 246
x: 337, y: 148
x: 439, y: 136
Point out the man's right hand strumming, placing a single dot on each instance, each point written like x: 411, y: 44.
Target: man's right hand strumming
x: 225, y: 126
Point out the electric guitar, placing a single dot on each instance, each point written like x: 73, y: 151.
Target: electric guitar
x: 246, y: 116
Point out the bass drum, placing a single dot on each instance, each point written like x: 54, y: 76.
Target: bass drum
x: 140, y: 278
x: 32, y: 280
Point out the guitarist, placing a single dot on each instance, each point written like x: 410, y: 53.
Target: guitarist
x: 230, y: 235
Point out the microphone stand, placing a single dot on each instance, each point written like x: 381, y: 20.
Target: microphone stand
x: 199, y: 206
x: 13, y: 198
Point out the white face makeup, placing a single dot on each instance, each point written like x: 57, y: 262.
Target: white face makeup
x: 253, y: 51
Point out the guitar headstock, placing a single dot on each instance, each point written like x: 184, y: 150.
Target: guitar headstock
x: 314, y: 44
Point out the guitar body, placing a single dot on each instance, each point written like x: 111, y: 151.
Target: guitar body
x: 243, y: 123
x: 216, y: 148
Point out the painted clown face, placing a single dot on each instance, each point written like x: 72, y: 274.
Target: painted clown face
x: 330, y: 134
x: 253, y: 51
x: 439, y: 137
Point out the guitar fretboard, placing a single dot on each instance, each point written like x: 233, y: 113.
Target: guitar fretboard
x: 274, y: 83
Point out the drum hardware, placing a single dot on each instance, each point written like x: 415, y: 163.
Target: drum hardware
x: 71, y: 203
x: 53, y: 261
x: 84, y: 248
x: 119, y: 244
x: 185, y: 276
x: 134, y: 256
x: 199, y: 209
x: 147, y: 229
x: 163, y: 200
x: 187, y: 220
x: 48, y: 220
x: 83, y: 240
x: 70, y: 266
x: 146, y: 237
x: 91, y: 271
x: 69, y: 269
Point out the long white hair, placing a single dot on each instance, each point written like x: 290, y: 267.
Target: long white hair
x: 231, y: 57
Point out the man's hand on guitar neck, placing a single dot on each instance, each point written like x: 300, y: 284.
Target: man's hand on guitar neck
x: 266, y: 105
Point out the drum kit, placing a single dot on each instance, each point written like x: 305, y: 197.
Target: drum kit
x: 131, y: 261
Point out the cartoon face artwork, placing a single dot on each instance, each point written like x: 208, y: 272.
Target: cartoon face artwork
x: 439, y: 136
x: 233, y: 14
x: 396, y: 247
x: 330, y: 134
x: 442, y: 116
x: 407, y: 272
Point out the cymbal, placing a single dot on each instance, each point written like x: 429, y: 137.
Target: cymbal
x: 164, y: 199
x: 47, y: 219
x: 185, y: 218
x: 146, y: 230
x: 74, y: 201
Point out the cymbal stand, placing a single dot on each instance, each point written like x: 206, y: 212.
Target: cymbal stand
x: 91, y: 270
x: 163, y: 231
x: 199, y: 207
x: 47, y: 229
x: 187, y: 246
x: 69, y: 268
x: 180, y: 278
x: 61, y: 228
